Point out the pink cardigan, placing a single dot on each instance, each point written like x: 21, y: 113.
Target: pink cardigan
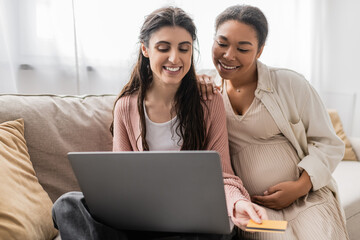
x: 127, y: 130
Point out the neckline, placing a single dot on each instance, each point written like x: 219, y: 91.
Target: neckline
x: 228, y: 102
x: 155, y: 123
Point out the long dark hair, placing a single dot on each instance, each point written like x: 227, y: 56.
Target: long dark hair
x: 187, y: 101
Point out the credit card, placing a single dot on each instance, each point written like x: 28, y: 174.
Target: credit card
x: 267, y: 226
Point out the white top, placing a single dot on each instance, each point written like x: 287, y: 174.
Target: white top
x: 162, y: 136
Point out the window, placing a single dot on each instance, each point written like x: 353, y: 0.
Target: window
x: 89, y: 46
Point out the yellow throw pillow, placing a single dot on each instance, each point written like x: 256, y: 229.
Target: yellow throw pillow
x: 335, y: 119
x: 25, y: 208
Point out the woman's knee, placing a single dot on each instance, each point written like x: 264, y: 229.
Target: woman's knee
x: 67, y: 203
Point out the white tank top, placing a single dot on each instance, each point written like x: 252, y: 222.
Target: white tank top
x: 162, y: 136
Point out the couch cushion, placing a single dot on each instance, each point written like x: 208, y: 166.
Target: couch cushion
x: 56, y: 125
x: 347, y: 176
x: 22, y: 198
x: 337, y: 124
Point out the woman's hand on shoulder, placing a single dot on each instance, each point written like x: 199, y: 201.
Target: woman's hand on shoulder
x: 207, y: 86
x: 245, y: 210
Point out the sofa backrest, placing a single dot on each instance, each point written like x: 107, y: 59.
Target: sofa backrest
x: 56, y: 125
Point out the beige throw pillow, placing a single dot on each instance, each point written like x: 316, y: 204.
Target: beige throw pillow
x: 25, y: 208
x: 335, y: 119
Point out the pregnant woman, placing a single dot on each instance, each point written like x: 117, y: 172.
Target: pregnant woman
x: 282, y: 143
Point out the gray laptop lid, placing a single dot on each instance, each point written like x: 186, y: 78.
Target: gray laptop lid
x: 180, y: 191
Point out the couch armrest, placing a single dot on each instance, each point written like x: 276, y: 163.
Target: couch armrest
x: 355, y: 143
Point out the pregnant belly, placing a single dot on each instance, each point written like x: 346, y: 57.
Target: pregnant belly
x: 263, y: 166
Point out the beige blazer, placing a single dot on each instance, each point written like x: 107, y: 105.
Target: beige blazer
x: 302, y: 117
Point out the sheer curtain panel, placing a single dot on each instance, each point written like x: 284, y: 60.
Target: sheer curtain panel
x: 89, y: 46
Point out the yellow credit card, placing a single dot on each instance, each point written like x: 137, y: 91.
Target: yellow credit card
x: 267, y: 226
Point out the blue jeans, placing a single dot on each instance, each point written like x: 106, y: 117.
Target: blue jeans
x: 73, y: 220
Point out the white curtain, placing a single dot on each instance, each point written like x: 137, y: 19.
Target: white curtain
x: 7, y: 51
x: 37, y: 52
x: 335, y: 63
x: 89, y: 46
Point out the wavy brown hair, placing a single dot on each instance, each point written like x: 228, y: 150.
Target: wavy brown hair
x: 187, y: 101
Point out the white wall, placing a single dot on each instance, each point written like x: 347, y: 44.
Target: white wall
x: 341, y: 52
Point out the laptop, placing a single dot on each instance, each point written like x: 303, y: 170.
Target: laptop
x: 169, y: 191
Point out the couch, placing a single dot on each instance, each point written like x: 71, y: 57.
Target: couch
x: 346, y: 175
x: 55, y: 125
